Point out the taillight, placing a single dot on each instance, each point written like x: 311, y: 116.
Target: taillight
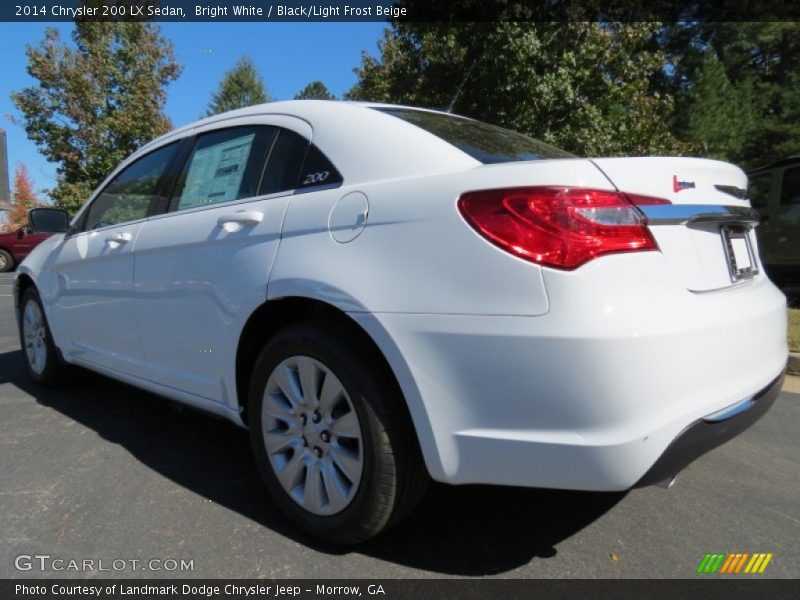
x: 559, y: 227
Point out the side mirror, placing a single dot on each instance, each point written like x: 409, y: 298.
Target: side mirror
x: 48, y: 220
x: 21, y: 232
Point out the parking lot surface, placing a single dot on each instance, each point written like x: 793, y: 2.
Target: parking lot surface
x: 100, y: 470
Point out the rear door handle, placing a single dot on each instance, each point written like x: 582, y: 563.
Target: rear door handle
x: 241, y: 217
x: 119, y: 239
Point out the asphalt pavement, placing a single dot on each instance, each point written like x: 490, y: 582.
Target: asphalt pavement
x: 102, y: 471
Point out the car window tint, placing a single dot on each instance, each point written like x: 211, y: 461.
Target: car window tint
x: 790, y: 189
x: 128, y: 196
x: 318, y: 170
x: 758, y: 189
x: 486, y: 143
x: 284, y: 164
x: 224, y: 165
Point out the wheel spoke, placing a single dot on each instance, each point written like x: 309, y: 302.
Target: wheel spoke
x: 307, y: 372
x: 334, y: 486
x: 312, y: 493
x: 330, y: 395
x: 289, y: 476
x: 286, y: 380
x: 40, y: 356
x: 276, y: 408
x: 347, y: 426
x: 279, y: 441
x: 347, y: 462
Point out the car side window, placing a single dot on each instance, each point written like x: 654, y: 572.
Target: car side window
x: 127, y: 197
x: 285, y: 162
x: 790, y: 190
x: 224, y: 165
x: 296, y: 163
x: 318, y: 170
x: 759, y: 189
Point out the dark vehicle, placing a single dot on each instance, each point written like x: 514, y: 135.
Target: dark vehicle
x: 775, y: 194
x: 16, y: 245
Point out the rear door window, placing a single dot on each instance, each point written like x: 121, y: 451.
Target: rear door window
x: 224, y: 165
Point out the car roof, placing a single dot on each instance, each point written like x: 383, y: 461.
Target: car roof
x: 364, y: 144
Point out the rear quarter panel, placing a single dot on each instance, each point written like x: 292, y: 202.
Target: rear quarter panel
x: 416, y: 254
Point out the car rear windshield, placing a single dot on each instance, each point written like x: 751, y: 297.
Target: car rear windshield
x: 487, y: 143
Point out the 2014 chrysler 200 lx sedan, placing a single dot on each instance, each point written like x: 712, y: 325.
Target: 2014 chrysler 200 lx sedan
x: 384, y: 294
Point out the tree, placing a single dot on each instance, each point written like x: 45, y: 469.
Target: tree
x: 240, y: 86
x: 96, y: 102
x: 583, y: 86
x: 721, y: 117
x: 761, y: 61
x: 23, y: 198
x: 316, y: 90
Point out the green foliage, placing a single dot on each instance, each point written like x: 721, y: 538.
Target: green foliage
x: 316, y: 90
x: 721, y: 117
x: 762, y: 63
x: 95, y: 101
x: 585, y: 87
x: 240, y: 86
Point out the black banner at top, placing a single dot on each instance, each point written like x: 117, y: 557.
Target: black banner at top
x: 399, y: 10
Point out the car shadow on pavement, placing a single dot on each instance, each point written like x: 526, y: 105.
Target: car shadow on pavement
x: 464, y: 530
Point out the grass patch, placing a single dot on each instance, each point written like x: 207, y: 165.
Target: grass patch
x: 794, y: 329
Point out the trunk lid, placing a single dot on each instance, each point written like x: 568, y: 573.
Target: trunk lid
x: 706, y: 233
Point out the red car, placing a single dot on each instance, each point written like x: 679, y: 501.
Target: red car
x: 16, y: 245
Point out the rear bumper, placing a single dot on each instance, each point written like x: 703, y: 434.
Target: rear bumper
x: 709, y: 432
x: 592, y: 394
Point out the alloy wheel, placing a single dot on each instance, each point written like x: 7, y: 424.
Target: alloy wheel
x: 34, y: 334
x: 312, y: 435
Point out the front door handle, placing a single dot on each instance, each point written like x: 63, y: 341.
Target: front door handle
x: 241, y: 218
x: 118, y: 239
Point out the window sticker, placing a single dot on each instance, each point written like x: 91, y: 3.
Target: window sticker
x: 215, y: 173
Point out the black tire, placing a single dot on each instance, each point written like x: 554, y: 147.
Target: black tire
x: 394, y: 477
x: 55, y: 371
x: 6, y: 261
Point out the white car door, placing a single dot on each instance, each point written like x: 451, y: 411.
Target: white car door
x: 202, y: 267
x: 91, y: 271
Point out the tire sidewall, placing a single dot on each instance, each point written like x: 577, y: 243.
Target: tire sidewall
x: 363, y: 391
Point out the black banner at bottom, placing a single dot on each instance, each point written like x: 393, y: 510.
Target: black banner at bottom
x: 399, y: 589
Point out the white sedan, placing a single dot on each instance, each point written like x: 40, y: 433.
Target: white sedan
x: 384, y: 294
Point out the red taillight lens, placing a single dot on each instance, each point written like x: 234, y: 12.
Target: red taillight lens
x: 559, y: 227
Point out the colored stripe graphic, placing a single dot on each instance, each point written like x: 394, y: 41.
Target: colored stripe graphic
x: 703, y: 563
x: 711, y: 562
x: 728, y: 564
x: 741, y: 562
x: 758, y: 563
x: 721, y: 562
